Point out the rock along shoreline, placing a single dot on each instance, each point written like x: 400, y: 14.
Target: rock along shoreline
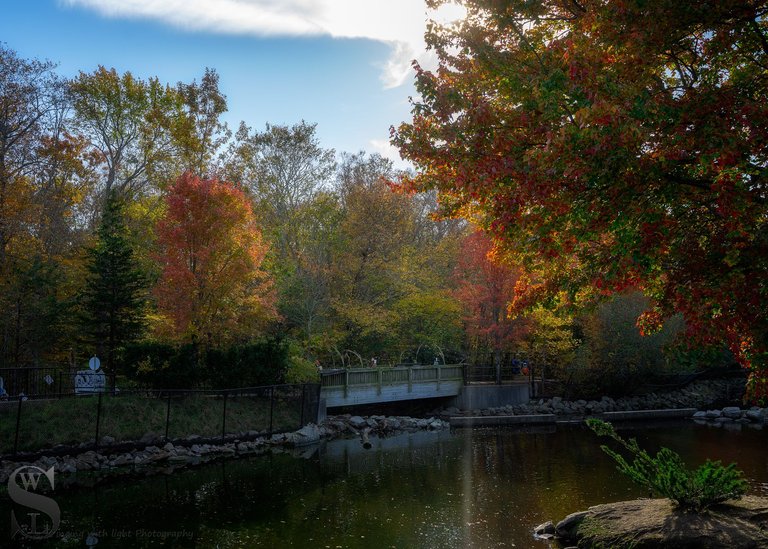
x: 699, y: 395
x: 152, y: 455
x: 653, y: 523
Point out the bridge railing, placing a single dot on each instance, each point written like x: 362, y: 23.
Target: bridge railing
x: 487, y: 374
x: 389, y: 384
x: 391, y: 375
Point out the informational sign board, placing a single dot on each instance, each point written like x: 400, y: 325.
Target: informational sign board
x: 88, y: 381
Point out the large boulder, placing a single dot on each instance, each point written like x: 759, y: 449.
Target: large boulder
x: 757, y: 415
x: 309, y: 434
x: 545, y: 530
x: 733, y: 412
x: 565, y: 527
x: 653, y: 523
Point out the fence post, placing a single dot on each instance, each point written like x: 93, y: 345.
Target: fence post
x: 532, y: 389
x: 303, y: 397
x: 98, y: 420
x: 316, y: 395
x: 224, y: 417
x: 167, y: 416
x: 61, y: 388
x: 271, y: 407
x: 18, y: 424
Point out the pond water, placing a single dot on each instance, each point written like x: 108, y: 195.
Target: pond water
x: 465, y: 489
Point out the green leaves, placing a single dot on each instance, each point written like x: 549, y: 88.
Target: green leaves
x: 114, y: 299
x: 666, y: 474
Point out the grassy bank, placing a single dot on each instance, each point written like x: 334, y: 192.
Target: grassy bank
x: 72, y: 420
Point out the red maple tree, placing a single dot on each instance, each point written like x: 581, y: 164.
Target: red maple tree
x: 485, y: 287
x: 611, y: 145
x: 211, y: 285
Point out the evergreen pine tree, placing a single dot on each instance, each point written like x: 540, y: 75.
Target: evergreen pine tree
x: 115, y: 293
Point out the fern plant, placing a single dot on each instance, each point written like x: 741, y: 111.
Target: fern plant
x: 667, y: 475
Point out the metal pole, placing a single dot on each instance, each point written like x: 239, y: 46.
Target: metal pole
x: 271, y: 406
x: 224, y: 417
x: 316, y: 411
x: 303, y: 396
x: 98, y: 420
x: 167, y: 416
x: 18, y: 423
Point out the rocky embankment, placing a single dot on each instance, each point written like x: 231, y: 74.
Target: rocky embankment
x: 151, y: 454
x: 733, y: 414
x: 699, y: 394
x: 653, y: 523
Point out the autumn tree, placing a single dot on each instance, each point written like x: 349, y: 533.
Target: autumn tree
x: 613, y: 358
x: 212, y: 287
x: 371, y: 272
x: 36, y: 311
x: 428, y: 323
x: 611, y: 145
x: 287, y: 173
x: 283, y: 167
x: 43, y: 174
x: 114, y: 299
x: 308, y: 274
x: 128, y: 122
x: 27, y: 97
x: 199, y: 132
x: 485, y: 286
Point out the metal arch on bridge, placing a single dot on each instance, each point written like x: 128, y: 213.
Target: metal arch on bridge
x: 356, y: 386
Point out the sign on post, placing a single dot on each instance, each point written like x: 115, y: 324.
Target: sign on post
x: 92, y: 380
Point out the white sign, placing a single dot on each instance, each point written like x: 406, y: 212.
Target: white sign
x: 48, y: 379
x: 94, y: 363
x: 88, y: 381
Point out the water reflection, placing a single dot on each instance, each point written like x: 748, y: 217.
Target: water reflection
x: 470, y: 488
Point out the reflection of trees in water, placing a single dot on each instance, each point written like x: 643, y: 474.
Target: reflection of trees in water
x: 427, y: 489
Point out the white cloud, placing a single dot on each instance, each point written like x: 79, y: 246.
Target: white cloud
x: 399, y: 23
x: 387, y: 150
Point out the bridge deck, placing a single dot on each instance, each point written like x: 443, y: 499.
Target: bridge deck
x: 355, y: 386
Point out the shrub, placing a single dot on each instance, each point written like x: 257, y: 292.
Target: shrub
x: 667, y: 475
x: 165, y: 366
x: 258, y: 362
x: 161, y: 365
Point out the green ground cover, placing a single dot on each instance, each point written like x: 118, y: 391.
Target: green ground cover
x: 45, y: 423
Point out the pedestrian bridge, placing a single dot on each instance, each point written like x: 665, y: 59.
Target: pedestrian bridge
x: 355, y: 386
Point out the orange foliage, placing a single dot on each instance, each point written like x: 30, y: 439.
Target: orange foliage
x: 211, y: 252
x: 485, y: 287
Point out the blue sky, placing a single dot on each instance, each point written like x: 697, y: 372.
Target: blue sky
x: 343, y: 64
